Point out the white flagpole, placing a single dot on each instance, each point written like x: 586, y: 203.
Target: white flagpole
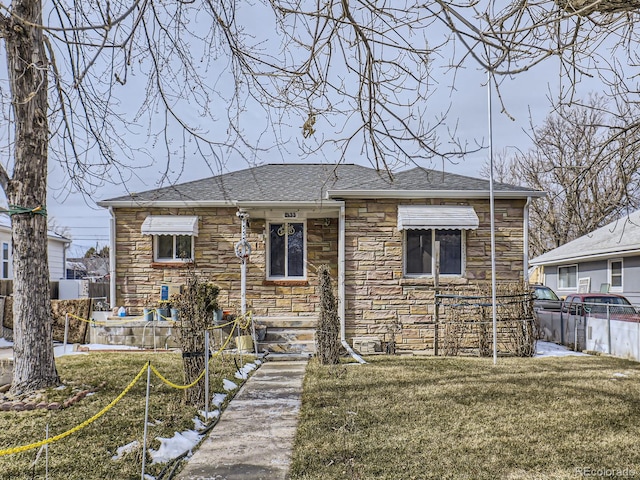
x: 493, y: 226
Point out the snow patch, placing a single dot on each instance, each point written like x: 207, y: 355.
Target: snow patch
x: 228, y: 385
x: 243, y: 373
x: 218, y: 399
x: 210, y: 415
x: 548, y: 349
x: 175, y: 446
x: 128, y: 448
x: 618, y: 374
x: 4, y: 343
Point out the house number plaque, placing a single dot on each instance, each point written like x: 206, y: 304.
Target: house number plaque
x: 290, y: 214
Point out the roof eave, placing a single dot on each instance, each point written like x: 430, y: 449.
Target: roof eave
x: 432, y: 194
x: 133, y: 203
x: 217, y: 203
x: 589, y: 256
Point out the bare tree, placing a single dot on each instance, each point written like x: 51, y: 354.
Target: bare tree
x: 590, y: 177
x: 352, y: 77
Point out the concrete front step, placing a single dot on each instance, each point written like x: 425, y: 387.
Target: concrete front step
x: 297, y: 347
x: 284, y: 335
x: 286, y: 357
x: 288, y: 335
x: 287, y: 322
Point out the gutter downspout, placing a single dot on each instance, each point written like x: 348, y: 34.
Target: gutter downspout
x: 341, y: 285
x: 525, y: 247
x: 112, y: 258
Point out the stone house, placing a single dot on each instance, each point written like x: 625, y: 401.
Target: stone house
x: 377, y: 233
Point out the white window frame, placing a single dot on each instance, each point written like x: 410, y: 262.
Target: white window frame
x: 613, y: 288
x: 463, y: 255
x: 6, y: 261
x: 304, y: 250
x: 173, y: 259
x: 568, y: 289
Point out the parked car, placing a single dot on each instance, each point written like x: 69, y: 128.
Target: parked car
x: 597, y: 305
x: 544, y: 298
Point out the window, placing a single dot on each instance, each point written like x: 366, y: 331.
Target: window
x: 568, y: 277
x: 615, y: 274
x: 171, y: 248
x: 172, y: 236
x: 287, y: 254
x: 419, y: 248
x: 5, y: 260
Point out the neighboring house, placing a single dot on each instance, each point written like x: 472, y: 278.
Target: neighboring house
x: 93, y: 268
x: 57, y: 248
x: 607, y: 259
x: 377, y: 234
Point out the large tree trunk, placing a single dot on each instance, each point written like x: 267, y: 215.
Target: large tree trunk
x: 34, y: 364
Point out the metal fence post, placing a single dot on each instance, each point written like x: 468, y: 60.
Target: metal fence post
x: 609, y: 329
x: 66, y: 333
x: 146, y: 421
x: 206, y: 374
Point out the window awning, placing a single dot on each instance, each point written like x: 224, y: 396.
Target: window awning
x: 170, y: 225
x: 442, y: 217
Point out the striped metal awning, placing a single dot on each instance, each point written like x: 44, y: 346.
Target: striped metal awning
x: 170, y: 225
x: 442, y: 217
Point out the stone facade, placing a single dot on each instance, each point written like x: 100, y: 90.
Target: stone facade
x: 138, y: 278
x: 380, y: 302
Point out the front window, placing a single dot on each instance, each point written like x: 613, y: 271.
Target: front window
x: 168, y: 248
x: 568, y: 277
x: 615, y: 274
x: 286, y: 250
x: 419, y: 248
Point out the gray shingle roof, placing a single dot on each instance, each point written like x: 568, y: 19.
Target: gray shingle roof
x: 309, y: 182
x: 613, y: 239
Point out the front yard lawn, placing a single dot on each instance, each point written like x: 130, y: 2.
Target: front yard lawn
x: 464, y: 418
x: 89, y: 453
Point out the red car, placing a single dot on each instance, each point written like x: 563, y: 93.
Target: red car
x: 598, y: 304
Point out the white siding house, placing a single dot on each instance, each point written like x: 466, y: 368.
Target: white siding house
x: 607, y: 259
x: 57, y: 252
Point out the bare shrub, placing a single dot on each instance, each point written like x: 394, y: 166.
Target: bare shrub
x: 327, y: 331
x: 196, y: 303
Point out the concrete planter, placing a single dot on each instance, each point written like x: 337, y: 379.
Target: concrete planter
x: 100, y: 316
x: 244, y: 343
x: 148, y: 314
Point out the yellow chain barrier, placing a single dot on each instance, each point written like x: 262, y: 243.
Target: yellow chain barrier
x: 215, y: 327
x: 24, y: 448
x: 184, y: 387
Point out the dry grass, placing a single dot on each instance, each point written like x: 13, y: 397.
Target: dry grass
x: 463, y: 418
x: 88, y: 453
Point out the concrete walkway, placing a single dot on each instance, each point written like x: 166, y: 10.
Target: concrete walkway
x: 254, y: 437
